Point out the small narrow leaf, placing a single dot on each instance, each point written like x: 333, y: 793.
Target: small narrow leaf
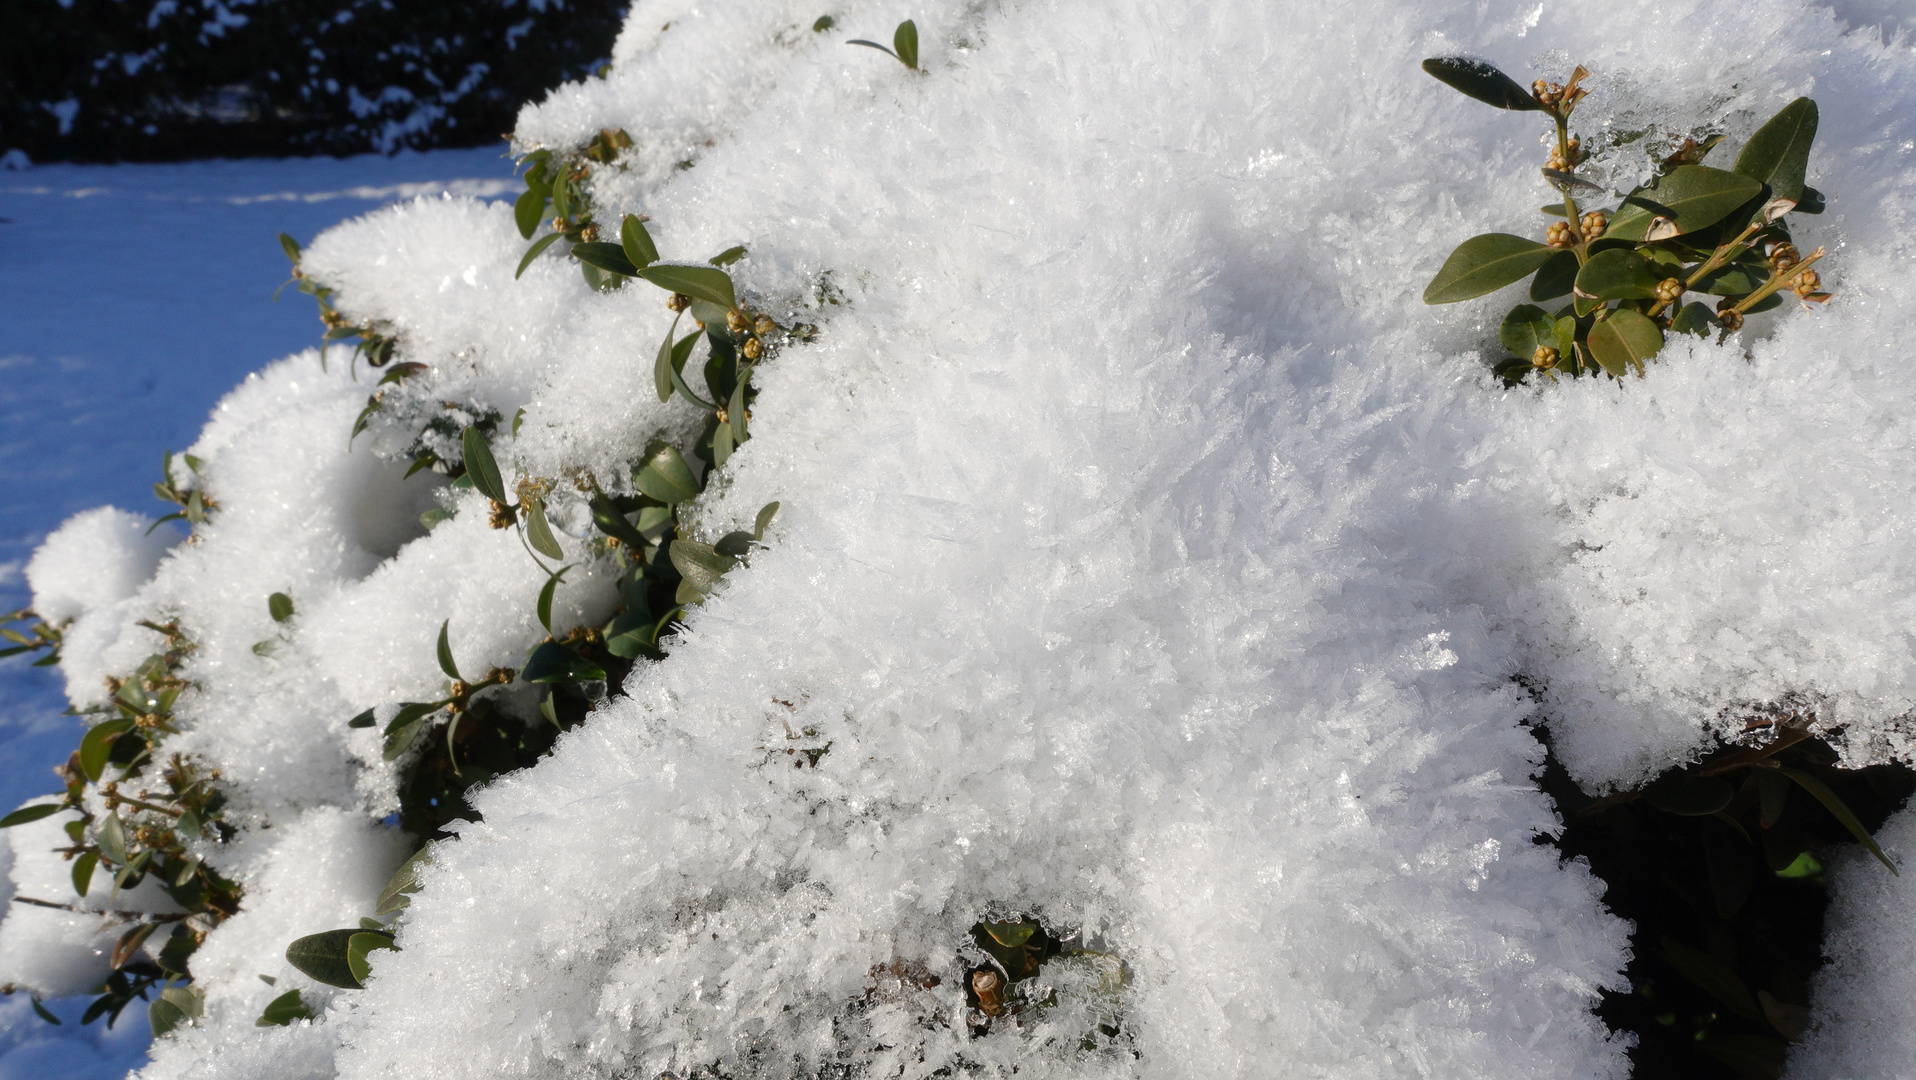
x: 112, y: 841
x: 444, y: 650
x: 707, y: 283
x: 874, y: 45
x: 735, y: 408
x: 534, y: 251
x: 290, y: 246
x: 97, y: 743
x: 405, y: 881
x: 734, y: 544
x: 407, y: 726
x: 765, y: 515
x: 1479, y: 80
x: 279, y: 606
x: 545, y: 597
x: 30, y: 813
x: 640, y: 251
x: 1836, y: 807
x: 481, y: 467
x: 729, y: 256
x: 539, y: 531
x: 363, y: 720
x: 904, y: 41
x: 1485, y: 264
x: 700, y: 565
x: 41, y: 1010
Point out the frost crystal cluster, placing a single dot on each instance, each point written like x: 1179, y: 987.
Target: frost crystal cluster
x: 1151, y: 565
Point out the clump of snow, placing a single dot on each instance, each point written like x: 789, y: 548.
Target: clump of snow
x: 95, y: 557
x: 1151, y: 563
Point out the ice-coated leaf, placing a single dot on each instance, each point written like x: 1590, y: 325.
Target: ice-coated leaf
x: 1477, y: 79
x: 1525, y: 329
x: 701, y: 566
x: 362, y: 943
x: 1779, y: 153
x: 1617, y: 275
x: 666, y: 477
x: 608, y: 257
x: 707, y: 283
x: 176, y: 1005
x: 1691, y: 197
x: 534, y: 251
x: 397, y: 894
x: 1010, y: 935
x: 904, y: 41
x: 322, y: 958
x: 284, y: 1010
x: 1485, y: 264
x: 539, y: 531
x: 97, y: 744
x: 637, y: 243
x: 30, y: 813
x: 481, y: 467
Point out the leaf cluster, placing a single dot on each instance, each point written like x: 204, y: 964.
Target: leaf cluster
x: 27, y: 633
x: 904, y: 44
x: 1626, y: 268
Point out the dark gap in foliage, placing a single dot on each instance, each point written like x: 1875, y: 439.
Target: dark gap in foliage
x: 106, y: 80
x: 1720, y: 867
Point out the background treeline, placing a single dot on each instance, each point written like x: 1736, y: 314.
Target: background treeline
x: 150, y: 80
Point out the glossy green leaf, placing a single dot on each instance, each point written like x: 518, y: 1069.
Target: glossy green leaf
x: 83, y: 868
x: 721, y: 445
x: 1739, y: 278
x: 1485, y: 264
x: 608, y: 257
x: 97, y: 743
x: 481, y: 467
x: 1691, y: 197
x: 30, y: 813
x: 765, y: 515
x: 283, y: 1010
x: 397, y: 894
x: 1811, y: 202
x: 1479, y: 80
x: 1555, y: 276
x: 1617, y: 275
x: 279, y: 606
x: 1713, y: 976
x: 528, y: 211
x: 539, y: 531
x: 1689, y: 794
x: 729, y: 256
x: 363, y: 943
x: 904, y: 41
x: 1525, y: 329
x: 112, y: 839
x: 662, y: 363
x: 1010, y: 935
x: 1695, y: 318
x: 175, y: 1006
x: 666, y: 477
x: 553, y: 662
x: 608, y: 519
x: 444, y: 650
x: 707, y: 283
x: 322, y: 958
x: 534, y: 251
x: 637, y: 243
x: 1567, y: 344
x: 1779, y: 153
x: 655, y: 522
x: 1626, y: 337
x: 363, y: 720
x: 735, y: 408
x: 546, y: 593
x: 1841, y: 812
x: 408, y: 725
x: 562, y: 195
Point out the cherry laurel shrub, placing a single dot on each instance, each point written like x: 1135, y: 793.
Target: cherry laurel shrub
x: 1627, y: 268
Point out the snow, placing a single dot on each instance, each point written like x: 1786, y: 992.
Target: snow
x: 1149, y: 561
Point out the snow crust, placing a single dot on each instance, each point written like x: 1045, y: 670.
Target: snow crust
x: 1151, y: 562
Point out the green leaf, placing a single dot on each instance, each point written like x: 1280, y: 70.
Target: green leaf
x: 553, y: 662
x: 532, y: 252
x: 765, y: 515
x: 1617, y: 275
x: 1695, y: 318
x: 666, y: 477
x: 729, y: 256
x: 528, y: 210
x: 655, y: 522
x: 1476, y: 79
x: 874, y: 45
x: 824, y: 23
x: 176, y: 1005
x: 31, y: 813
x: 444, y: 649
x: 1691, y: 197
x: 1779, y: 153
x: 662, y: 364
x: 1555, y: 276
x: 363, y: 943
x: 363, y: 720
x: 1626, y: 337
x: 539, y: 531
x: 397, y: 894
x: 1812, y: 201
x: 1525, y: 329
x: 905, y: 41
x: 1485, y: 264
x: 279, y: 606
x: 707, y: 283
x: 1689, y: 794
x: 408, y: 725
x: 1804, y: 865
x: 322, y: 958
x: 637, y: 243
x: 735, y: 408
x: 545, y: 596
x: 1841, y: 812
x: 561, y: 195
x: 1713, y: 976
x: 1010, y: 935
x: 290, y: 246
x: 284, y: 1010
x: 608, y: 257
x: 112, y: 841
x: 701, y: 566
x: 41, y: 1010
x: 1773, y: 795
x: 480, y: 466
x: 83, y: 868
x: 721, y: 445
x: 610, y: 521
x: 97, y: 743
x: 736, y: 545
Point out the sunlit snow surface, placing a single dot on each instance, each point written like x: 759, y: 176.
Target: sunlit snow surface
x: 131, y: 298
x: 1151, y: 560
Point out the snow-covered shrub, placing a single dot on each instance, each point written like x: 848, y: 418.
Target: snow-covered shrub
x: 1146, y: 582
x: 104, y: 80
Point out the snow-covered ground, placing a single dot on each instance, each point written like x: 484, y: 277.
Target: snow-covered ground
x: 131, y: 298
x: 1150, y: 560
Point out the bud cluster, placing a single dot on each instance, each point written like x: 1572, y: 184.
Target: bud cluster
x: 1560, y: 235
